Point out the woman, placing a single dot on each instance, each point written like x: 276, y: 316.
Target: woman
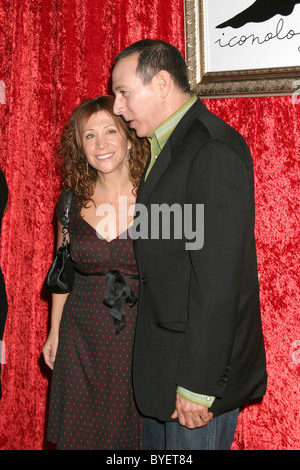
x: 92, y: 404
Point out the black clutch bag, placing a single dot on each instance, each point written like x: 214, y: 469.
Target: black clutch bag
x: 60, y: 277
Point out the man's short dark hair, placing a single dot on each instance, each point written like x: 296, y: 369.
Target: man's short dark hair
x: 155, y: 55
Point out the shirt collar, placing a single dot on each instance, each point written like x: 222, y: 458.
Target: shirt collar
x: 163, y: 132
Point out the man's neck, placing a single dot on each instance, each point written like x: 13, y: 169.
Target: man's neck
x: 175, y: 103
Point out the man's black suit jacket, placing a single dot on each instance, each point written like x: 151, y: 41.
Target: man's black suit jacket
x: 199, y: 323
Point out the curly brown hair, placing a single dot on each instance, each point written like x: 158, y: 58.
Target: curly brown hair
x: 74, y: 162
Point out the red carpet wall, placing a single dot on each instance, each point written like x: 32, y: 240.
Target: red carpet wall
x: 53, y: 54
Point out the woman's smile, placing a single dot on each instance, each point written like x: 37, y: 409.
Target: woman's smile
x: 103, y: 157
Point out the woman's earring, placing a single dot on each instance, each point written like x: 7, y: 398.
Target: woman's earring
x: 87, y: 167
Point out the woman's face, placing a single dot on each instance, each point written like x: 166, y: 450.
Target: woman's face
x: 105, y: 148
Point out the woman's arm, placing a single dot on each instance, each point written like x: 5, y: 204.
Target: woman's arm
x: 58, y: 302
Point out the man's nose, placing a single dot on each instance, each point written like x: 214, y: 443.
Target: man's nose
x: 117, y: 109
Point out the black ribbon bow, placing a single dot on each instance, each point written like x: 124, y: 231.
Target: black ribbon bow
x: 117, y: 288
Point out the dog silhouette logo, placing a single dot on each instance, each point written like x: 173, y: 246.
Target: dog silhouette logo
x: 260, y: 11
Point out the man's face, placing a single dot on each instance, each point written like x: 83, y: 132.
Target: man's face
x: 138, y: 103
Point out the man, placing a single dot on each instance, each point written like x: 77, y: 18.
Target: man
x: 199, y: 352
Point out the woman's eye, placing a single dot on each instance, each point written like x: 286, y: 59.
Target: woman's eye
x: 89, y: 136
x: 111, y: 131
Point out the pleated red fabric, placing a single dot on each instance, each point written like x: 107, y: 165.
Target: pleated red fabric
x: 53, y: 55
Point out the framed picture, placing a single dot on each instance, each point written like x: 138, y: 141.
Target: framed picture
x: 243, y: 47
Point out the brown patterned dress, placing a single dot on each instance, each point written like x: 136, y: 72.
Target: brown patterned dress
x: 92, y: 405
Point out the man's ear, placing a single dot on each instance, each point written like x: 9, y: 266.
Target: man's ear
x: 163, y: 81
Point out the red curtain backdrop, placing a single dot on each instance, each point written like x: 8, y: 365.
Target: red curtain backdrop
x: 53, y: 54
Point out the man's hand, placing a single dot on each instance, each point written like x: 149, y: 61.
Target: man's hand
x: 191, y: 415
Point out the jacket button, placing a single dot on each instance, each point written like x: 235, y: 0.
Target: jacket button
x: 144, y: 280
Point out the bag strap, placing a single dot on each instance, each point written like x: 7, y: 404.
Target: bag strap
x: 67, y: 205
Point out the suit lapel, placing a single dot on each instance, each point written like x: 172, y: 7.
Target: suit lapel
x: 164, y: 158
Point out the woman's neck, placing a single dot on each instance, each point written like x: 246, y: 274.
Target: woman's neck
x: 110, y: 184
